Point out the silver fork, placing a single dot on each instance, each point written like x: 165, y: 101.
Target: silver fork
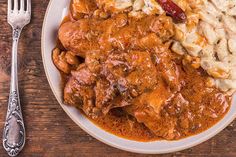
x: 19, y: 14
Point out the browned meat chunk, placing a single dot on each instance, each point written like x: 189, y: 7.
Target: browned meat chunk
x: 144, y: 34
x: 147, y: 110
x: 133, y: 73
x: 59, y: 59
x: 79, y: 90
x: 108, y: 97
x: 64, y: 61
x: 77, y: 37
x: 167, y: 67
x: 79, y: 8
x: 163, y: 27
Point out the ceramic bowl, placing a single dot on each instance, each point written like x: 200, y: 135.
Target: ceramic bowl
x: 55, y: 12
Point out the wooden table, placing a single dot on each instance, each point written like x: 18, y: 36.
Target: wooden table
x: 50, y: 132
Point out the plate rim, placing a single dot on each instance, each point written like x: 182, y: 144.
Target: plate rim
x: 203, y: 139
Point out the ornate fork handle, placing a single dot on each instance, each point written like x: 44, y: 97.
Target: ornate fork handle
x: 14, y: 130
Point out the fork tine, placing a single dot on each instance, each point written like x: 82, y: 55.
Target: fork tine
x: 22, y: 5
x: 28, y: 6
x: 9, y: 5
x: 15, y: 5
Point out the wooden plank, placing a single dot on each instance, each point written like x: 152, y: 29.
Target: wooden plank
x: 50, y: 132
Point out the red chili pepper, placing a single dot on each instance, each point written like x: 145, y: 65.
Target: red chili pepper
x: 173, y: 10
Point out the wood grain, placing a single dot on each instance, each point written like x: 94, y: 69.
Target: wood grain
x: 50, y: 132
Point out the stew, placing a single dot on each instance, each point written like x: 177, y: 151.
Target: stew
x: 120, y: 71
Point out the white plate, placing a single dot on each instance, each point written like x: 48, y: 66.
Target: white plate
x: 55, y: 13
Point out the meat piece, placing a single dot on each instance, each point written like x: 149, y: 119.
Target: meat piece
x: 80, y: 96
x: 133, y: 73
x: 121, y: 39
x: 72, y: 59
x: 144, y: 76
x: 77, y: 37
x: 167, y: 67
x: 108, y: 97
x: 79, y: 91
x: 163, y: 27
x: 170, y: 74
x: 151, y: 29
x: 83, y: 75
x: 79, y: 8
x: 104, y: 94
x: 75, y: 92
x: 110, y: 28
x: 64, y: 61
x: 147, y: 110
x: 93, y: 60
x: 116, y: 32
x: 59, y: 59
x: 179, y: 107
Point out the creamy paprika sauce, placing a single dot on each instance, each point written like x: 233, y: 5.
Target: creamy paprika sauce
x: 120, y: 72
